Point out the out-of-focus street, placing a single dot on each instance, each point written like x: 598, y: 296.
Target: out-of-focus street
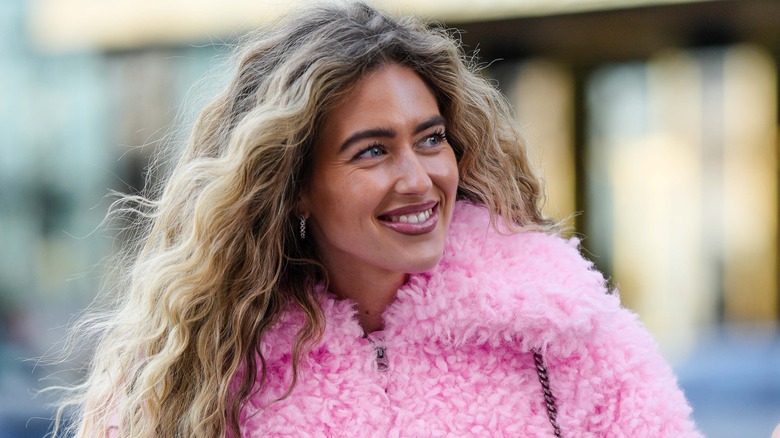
x: 655, y: 125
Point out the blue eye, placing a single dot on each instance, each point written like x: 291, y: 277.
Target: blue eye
x: 434, y: 139
x: 372, y: 151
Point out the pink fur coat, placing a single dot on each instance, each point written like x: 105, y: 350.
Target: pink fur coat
x: 458, y: 345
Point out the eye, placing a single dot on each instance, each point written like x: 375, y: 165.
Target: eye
x: 372, y: 151
x: 433, y: 140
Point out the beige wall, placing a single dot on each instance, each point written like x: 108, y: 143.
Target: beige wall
x: 119, y: 24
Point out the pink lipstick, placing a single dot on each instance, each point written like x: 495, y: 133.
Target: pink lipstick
x: 414, y: 219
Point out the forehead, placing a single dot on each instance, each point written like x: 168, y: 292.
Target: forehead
x: 387, y: 97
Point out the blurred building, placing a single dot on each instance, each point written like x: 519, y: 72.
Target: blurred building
x: 653, y: 122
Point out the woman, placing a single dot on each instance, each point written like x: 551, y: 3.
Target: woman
x: 350, y: 246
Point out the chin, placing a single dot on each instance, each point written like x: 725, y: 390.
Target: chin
x: 423, y: 265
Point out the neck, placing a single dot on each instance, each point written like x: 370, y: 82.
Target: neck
x: 372, y: 294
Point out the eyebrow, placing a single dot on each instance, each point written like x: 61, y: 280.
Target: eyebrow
x: 389, y: 133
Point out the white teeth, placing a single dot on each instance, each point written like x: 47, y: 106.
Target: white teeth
x: 413, y: 218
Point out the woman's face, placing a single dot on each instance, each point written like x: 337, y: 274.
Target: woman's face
x: 384, y: 180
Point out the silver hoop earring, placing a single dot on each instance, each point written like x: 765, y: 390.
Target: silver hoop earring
x: 303, y: 227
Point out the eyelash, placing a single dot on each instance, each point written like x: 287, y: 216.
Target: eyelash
x: 440, y: 135
x: 374, y: 145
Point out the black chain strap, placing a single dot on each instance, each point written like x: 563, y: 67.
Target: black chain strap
x: 549, y: 399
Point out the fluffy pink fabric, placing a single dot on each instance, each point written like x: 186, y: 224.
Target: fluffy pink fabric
x: 458, y: 342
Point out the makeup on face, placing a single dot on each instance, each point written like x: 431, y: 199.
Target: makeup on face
x: 384, y: 179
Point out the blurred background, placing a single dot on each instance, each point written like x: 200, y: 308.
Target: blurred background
x: 654, y: 124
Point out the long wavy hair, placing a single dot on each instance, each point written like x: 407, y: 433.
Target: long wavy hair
x: 219, y: 258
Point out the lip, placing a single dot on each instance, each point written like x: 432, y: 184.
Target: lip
x: 409, y: 228
x: 416, y: 208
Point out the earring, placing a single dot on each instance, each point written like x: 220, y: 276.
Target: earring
x: 303, y: 227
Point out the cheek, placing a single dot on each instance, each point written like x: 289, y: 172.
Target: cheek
x: 454, y: 173
x: 339, y: 197
x: 446, y: 169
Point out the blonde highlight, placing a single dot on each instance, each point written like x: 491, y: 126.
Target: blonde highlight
x: 220, y: 257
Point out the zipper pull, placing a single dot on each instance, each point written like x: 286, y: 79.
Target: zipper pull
x: 381, y: 359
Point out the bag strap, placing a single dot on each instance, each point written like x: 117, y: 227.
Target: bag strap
x: 549, y: 399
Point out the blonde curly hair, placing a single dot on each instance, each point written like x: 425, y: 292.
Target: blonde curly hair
x: 219, y: 259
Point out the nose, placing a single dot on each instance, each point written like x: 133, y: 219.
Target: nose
x: 413, y: 176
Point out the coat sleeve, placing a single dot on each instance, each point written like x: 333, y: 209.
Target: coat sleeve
x: 620, y: 384
x: 537, y: 290
x: 623, y: 385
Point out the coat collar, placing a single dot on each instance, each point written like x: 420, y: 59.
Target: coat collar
x: 531, y: 290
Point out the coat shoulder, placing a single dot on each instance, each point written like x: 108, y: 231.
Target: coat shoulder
x: 540, y: 260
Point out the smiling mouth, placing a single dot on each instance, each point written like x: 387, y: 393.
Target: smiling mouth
x: 412, y: 218
x: 413, y: 223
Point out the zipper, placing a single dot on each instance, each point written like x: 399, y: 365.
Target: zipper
x: 380, y: 351
x: 381, y: 359
x: 379, y: 374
